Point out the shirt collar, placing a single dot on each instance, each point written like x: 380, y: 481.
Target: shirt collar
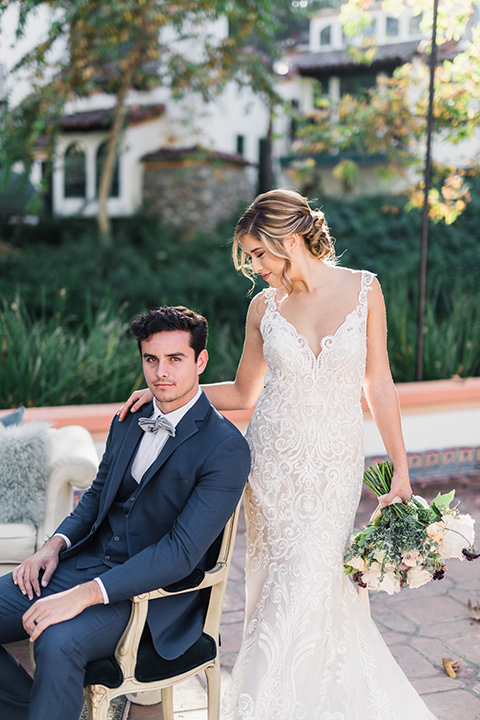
x: 176, y: 415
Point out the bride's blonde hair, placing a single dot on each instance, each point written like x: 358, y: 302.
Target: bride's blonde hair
x: 271, y: 218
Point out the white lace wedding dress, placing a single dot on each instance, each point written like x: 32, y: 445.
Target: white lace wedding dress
x: 310, y: 650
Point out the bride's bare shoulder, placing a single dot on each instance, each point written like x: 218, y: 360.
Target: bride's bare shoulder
x: 351, y: 277
x: 346, y: 276
x: 257, y: 307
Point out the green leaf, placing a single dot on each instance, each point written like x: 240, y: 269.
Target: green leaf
x: 442, y: 502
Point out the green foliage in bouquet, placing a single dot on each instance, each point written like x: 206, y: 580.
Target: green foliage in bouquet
x: 406, y: 544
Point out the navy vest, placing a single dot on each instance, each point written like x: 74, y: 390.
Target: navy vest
x: 109, y: 545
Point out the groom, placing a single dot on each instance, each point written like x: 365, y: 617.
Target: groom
x: 165, y: 488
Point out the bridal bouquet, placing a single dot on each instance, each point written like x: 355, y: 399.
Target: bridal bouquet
x: 406, y: 544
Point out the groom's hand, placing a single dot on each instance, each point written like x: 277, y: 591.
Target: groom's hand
x: 27, y: 574
x: 60, y: 607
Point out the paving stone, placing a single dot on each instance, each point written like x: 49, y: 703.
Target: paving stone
x: 453, y: 705
x: 393, y: 620
x: 468, y: 647
x: 454, y: 628
x: 232, y: 639
x: 420, y: 612
x: 432, y: 648
x: 189, y: 695
x: 392, y: 638
x: 145, y: 712
x: 232, y: 618
x: 412, y: 662
x: 437, y: 684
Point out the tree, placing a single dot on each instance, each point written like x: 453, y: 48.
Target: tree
x: 390, y: 119
x: 116, y: 45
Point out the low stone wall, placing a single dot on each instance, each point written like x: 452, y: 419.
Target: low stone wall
x: 191, y: 195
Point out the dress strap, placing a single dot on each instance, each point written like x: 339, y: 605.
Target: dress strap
x: 269, y: 298
x: 365, y: 286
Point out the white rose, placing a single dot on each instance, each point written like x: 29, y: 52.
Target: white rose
x: 379, y: 555
x: 459, y: 534
x: 422, y: 501
x: 417, y: 576
x: 390, y: 583
x: 358, y: 563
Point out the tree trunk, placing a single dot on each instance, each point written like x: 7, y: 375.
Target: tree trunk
x: 104, y: 223
x: 134, y: 60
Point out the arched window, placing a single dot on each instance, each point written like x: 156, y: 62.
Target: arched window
x: 115, y: 185
x: 75, y: 172
x: 326, y: 36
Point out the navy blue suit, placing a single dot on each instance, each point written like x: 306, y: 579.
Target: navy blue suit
x: 170, y: 520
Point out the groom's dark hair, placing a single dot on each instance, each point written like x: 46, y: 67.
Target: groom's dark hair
x: 168, y: 318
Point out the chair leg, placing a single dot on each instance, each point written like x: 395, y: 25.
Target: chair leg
x: 167, y: 702
x: 98, y: 701
x: 213, y: 691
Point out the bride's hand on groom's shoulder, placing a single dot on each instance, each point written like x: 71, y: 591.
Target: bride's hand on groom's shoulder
x: 135, y: 402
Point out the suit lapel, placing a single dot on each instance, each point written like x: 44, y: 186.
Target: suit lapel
x: 188, y: 426
x: 125, y: 453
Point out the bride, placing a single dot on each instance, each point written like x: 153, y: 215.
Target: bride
x: 314, y: 338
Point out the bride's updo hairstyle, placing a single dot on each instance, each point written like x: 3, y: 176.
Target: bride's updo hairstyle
x: 271, y: 218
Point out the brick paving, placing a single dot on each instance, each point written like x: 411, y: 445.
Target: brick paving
x: 420, y: 626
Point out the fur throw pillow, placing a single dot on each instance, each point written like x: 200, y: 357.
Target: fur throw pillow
x: 24, y: 470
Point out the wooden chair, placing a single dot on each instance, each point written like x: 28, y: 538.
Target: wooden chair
x: 136, y: 666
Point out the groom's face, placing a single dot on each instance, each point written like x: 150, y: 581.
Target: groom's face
x: 170, y: 368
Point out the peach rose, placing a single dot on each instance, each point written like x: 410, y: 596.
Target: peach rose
x: 390, y: 583
x: 417, y: 576
x: 436, y: 531
x: 371, y: 576
x: 358, y: 563
x: 412, y: 558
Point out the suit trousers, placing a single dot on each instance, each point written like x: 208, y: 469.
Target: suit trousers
x: 61, y: 652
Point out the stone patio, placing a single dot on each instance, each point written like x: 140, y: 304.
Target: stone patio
x: 420, y: 626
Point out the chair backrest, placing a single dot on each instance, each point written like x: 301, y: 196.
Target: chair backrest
x: 215, y: 605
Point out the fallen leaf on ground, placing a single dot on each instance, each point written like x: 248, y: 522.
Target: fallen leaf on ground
x: 451, y: 666
x: 474, y: 610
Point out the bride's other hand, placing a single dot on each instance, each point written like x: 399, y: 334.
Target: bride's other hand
x: 135, y: 402
x: 400, y: 490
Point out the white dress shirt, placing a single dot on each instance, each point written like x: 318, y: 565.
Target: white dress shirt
x: 148, y: 451
x: 152, y: 443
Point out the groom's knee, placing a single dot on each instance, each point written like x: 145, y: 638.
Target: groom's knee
x: 13, y: 605
x: 55, y: 646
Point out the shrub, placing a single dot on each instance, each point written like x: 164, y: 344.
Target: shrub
x: 68, y: 303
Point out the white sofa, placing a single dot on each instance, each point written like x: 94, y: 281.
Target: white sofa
x: 74, y: 463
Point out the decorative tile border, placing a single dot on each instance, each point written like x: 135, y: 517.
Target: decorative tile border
x: 438, y: 463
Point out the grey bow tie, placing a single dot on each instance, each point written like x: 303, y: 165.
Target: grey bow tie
x: 154, y: 426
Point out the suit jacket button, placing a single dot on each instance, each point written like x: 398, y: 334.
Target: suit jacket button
x: 116, y: 538
x: 107, y: 557
x: 133, y: 498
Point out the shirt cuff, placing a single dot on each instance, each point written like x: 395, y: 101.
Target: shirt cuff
x: 67, y: 540
x: 100, y: 584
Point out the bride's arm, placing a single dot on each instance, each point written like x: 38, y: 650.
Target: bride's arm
x: 382, y: 395
x: 240, y: 394
x: 243, y: 392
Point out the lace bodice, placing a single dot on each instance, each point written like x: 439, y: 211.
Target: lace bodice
x: 309, y: 414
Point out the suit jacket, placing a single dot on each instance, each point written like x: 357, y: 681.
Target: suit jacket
x: 181, y: 506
